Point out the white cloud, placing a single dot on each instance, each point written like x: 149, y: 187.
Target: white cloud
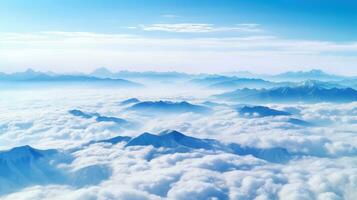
x: 30, y: 118
x: 200, y: 28
x: 85, y: 51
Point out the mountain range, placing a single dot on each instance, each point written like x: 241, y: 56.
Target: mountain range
x: 105, y: 73
x: 104, y: 77
x: 307, y: 75
x: 101, y: 118
x: 31, y: 76
x: 229, y: 82
x: 173, y: 141
x: 308, y: 93
x: 25, y: 166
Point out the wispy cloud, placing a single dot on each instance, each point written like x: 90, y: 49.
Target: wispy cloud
x: 200, y: 28
x: 266, y: 43
x: 86, y: 50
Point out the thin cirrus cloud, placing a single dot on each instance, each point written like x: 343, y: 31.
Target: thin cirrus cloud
x: 170, y: 16
x: 200, y: 28
x: 88, y: 50
x: 267, y: 43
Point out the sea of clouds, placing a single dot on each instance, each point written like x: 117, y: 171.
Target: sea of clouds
x: 325, y: 170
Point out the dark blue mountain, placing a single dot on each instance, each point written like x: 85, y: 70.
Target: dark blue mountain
x: 24, y: 165
x: 99, y: 118
x: 19, y: 154
x: 153, y: 107
x: 176, y: 140
x: 276, y: 155
x: 308, y: 93
x: 299, y: 122
x: 111, y: 119
x: 79, y: 113
x: 114, y: 140
x: 171, y: 139
x: 129, y: 101
x: 260, y: 111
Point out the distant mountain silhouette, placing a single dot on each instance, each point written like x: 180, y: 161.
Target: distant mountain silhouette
x: 129, y: 101
x: 229, y: 82
x: 152, y: 75
x: 306, y: 75
x: 31, y: 76
x: 102, y: 73
x: 309, y: 93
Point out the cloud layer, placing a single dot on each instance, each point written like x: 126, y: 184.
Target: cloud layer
x: 325, y: 169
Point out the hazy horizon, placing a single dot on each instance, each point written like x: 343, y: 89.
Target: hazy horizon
x: 182, y: 36
x: 113, y: 70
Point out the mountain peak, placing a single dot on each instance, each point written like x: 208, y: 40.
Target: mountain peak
x: 317, y: 71
x: 20, y: 152
x: 169, y: 139
x: 170, y: 132
x: 30, y: 71
x: 102, y: 72
x: 130, y: 101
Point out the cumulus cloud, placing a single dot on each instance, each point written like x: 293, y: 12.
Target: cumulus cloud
x: 323, y: 169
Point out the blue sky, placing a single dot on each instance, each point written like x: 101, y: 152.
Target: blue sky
x: 59, y: 35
